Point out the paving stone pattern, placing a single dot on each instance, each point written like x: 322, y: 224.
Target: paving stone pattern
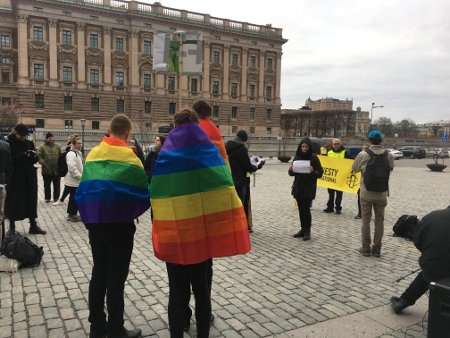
x: 282, y: 286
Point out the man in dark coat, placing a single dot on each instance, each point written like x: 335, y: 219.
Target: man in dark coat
x: 431, y: 238
x: 240, y: 163
x: 5, y: 174
x: 21, y: 198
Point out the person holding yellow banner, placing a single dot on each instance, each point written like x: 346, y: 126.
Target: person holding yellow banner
x: 338, y: 151
x: 307, y: 169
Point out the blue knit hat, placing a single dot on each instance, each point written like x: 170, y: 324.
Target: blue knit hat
x: 375, y: 135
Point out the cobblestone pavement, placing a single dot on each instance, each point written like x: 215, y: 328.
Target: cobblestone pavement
x: 284, y: 287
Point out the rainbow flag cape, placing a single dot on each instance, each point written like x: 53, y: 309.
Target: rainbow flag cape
x: 214, y: 135
x: 197, y: 212
x: 114, y: 186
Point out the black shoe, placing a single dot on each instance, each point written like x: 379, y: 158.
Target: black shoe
x: 327, y: 210
x: 250, y: 229
x: 124, y: 333
x: 358, y: 216
x: 186, y: 328
x: 211, y: 320
x: 301, y: 233
x: 364, y: 252
x: 307, y: 235
x: 98, y: 334
x: 376, y: 252
x: 36, y: 230
x: 338, y: 212
x: 398, y: 304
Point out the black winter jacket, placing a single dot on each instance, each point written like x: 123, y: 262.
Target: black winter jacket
x: 239, y: 162
x: 432, y: 238
x: 306, y: 184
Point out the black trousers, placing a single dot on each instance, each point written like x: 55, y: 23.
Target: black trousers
x: 112, y: 247
x: 332, y: 203
x: 416, y: 289
x: 304, y: 210
x: 180, y: 279
x: 72, y: 208
x: 48, y: 180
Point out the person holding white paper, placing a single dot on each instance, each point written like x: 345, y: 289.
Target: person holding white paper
x: 305, y: 184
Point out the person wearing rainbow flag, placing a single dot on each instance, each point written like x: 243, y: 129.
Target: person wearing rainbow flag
x: 112, y: 193
x: 197, y: 216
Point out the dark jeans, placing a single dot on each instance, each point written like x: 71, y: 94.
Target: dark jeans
x: 416, y: 289
x: 304, y: 210
x: 48, y: 180
x: 331, y: 202
x: 112, y: 246
x: 180, y: 279
x: 66, y: 192
x: 359, y: 202
x: 72, y: 208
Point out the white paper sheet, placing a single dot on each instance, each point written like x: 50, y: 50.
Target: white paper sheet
x: 301, y: 167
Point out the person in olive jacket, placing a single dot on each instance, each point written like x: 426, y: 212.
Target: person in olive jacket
x: 48, y: 154
x: 305, y: 186
x: 431, y: 238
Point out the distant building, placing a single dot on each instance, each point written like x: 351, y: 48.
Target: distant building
x: 62, y: 60
x: 326, y: 117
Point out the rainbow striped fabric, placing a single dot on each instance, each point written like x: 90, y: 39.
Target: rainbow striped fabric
x: 197, y: 212
x: 214, y: 135
x: 114, y: 186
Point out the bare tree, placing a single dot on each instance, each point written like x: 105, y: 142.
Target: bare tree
x: 384, y: 124
x: 8, y: 115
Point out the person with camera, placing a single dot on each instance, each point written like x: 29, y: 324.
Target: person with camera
x: 22, y: 191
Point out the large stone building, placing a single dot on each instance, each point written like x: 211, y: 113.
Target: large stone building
x: 326, y: 117
x: 64, y: 60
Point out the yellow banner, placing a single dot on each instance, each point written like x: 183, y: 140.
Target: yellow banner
x: 338, y: 174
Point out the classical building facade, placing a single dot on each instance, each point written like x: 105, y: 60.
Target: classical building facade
x: 64, y: 60
x: 326, y: 117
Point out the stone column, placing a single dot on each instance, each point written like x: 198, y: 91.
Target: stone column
x: 226, y: 73
x: 206, y: 86
x: 107, y: 70
x: 81, y: 43
x: 53, y: 53
x: 244, y: 83
x: 277, y: 88
x: 22, y: 49
x: 262, y: 68
x: 133, y: 60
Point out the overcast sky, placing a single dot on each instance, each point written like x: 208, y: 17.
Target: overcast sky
x: 394, y: 53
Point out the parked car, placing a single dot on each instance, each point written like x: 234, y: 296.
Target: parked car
x: 413, y: 152
x: 397, y: 154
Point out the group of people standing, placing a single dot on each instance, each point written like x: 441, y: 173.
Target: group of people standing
x: 21, y: 182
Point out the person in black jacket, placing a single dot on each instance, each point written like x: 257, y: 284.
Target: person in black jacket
x: 431, y: 238
x: 305, y: 186
x: 240, y: 163
x: 22, y: 192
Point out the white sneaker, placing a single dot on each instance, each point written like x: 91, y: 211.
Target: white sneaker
x: 58, y: 202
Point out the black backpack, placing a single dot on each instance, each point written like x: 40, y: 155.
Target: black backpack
x: 62, y: 164
x: 19, y: 247
x: 405, y: 226
x: 376, y: 174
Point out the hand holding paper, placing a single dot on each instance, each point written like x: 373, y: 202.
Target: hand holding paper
x: 301, y: 167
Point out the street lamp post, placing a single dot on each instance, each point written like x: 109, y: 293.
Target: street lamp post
x: 180, y: 35
x: 371, y: 113
x: 83, y: 124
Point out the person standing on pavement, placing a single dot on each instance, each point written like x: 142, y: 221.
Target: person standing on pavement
x: 431, y: 238
x: 6, y: 168
x: 66, y: 191
x: 112, y: 193
x: 137, y: 147
x: 240, y: 163
x: 305, y: 185
x: 358, y: 215
x: 372, y: 199
x: 333, y: 203
x: 48, y: 154
x: 74, y: 159
x: 190, y: 225
x: 22, y: 190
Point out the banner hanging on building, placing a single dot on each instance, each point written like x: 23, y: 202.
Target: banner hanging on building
x: 166, y: 56
x: 338, y: 174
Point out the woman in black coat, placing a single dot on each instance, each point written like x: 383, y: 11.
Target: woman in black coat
x: 305, y: 186
x: 21, y: 198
